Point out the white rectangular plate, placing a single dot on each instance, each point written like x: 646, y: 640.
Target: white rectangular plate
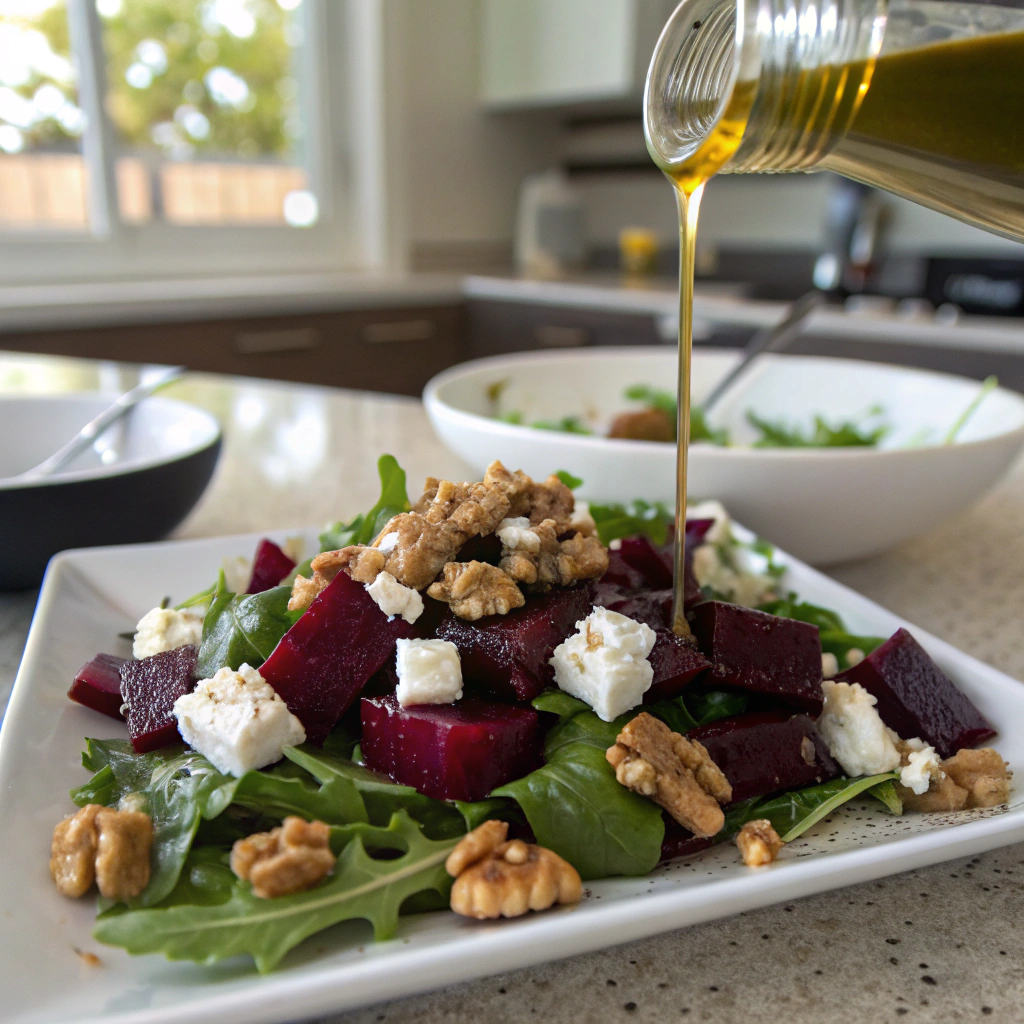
x: 90, y: 596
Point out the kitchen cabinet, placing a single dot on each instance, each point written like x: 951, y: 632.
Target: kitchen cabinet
x: 394, y: 350
x: 542, y: 53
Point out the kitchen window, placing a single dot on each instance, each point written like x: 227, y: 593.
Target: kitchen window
x: 149, y: 137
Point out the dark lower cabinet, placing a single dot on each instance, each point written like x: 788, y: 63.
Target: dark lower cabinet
x: 394, y: 350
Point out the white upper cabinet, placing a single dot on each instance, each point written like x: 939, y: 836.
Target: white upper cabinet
x: 567, y: 52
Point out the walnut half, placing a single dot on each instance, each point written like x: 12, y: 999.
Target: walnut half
x: 758, y: 842
x: 968, y: 779
x: 676, y: 773
x: 105, y: 846
x: 475, y: 590
x: 495, y: 878
x: 288, y: 859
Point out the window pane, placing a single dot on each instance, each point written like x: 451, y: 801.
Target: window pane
x: 42, y: 174
x: 204, y: 101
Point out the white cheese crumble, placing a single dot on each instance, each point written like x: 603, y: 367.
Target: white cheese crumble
x: 829, y: 665
x: 394, y: 598
x: 429, y: 672
x: 388, y: 542
x: 605, y: 662
x: 516, y: 535
x: 166, y: 629
x: 854, y: 656
x: 237, y: 573
x: 237, y: 721
x: 581, y: 520
x: 854, y: 731
x: 721, y: 530
x: 922, y: 767
x: 743, y: 582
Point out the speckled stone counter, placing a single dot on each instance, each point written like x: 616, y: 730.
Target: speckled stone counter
x: 939, y: 944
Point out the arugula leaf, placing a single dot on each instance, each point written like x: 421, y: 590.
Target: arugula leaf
x: 616, y: 521
x: 844, y: 435
x: 360, y: 888
x: 513, y: 416
x: 987, y: 385
x: 363, y: 529
x: 243, y: 628
x: 834, y: 637
x: 201, y: 598
x: 576, y: 808
x: 567, y: 425
x: 570, y: 481
x: 701, y: 430
x: 381, y: 797
x: 653, y: 398
x: 715, y: 704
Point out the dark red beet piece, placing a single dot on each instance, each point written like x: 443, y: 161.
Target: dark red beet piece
x: 676, y: 663
x: 150, y: 687
x: 916, y: 698
x: 621, y: 575
x: 269, y: 567
x: 323, y: 662
x: 640, y: 554
x: 98, y: 685
x: 759, y: 652
x: 767, y: 752
x: 507, y: 655
x: 450, y: 751
x: 681, y: 842
x: 651, y: 606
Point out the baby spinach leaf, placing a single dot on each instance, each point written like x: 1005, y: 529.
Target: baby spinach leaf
x: 576, y: 808
x: 887, y: 794
x: 674, y: 713
x: 500, y: 808
x: 243, y: 628
x: 586, y: 729
x: 558, y: 702
x: 361, y: 887
x: 363, y: 529
x: 709, y: 707
x: 381, y: 796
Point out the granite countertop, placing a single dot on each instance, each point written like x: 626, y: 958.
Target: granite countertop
x: 937, y: 944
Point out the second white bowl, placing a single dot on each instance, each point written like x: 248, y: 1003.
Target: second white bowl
x: 823, y: 505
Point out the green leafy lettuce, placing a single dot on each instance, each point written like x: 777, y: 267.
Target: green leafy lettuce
x: 363, y: 529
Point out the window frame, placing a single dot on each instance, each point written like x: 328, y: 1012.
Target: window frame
x: 111, y: 249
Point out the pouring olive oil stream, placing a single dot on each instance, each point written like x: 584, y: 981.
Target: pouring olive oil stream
x: 922, y: 98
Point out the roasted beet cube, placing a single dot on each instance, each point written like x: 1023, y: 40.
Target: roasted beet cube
x: 269, y: 567
x: 508, y: 655
x: 916, y: 698
x: 767, y: 752
x: 622, y: 575
x: 675, y: 663
x: 149, y: 688
x: 654, y: 565
x: 98, y: 685
x: 450, y: 751
x: 653, y: 607
x: 323, y: 662
x: 763, y: 653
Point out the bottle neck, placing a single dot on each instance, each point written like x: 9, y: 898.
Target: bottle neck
x: 758, y: 85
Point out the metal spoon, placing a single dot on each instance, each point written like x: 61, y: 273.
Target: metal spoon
x: 95, y: 427
x: 768, y: 339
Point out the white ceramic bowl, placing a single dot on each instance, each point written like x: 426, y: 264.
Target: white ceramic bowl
x: 824, y: 505
x: 135, y: 484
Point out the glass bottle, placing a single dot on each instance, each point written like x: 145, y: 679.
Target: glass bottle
x: 923, y: 98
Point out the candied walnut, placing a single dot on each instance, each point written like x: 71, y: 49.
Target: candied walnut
x: 549, y: 500
x: 476, y: 589
x: 363, y: 564
x: 304, y: 592
x: 759, y: 843
x: 970, y: 778
x: 643, y: 425
x: 942, y: 795
x: 498, y: 878
x: 556, y: 562
x: 686, y: 782
x: 288, y: 859
x: 101, y: 845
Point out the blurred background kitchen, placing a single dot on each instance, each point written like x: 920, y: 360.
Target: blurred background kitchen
x: 362, y: 193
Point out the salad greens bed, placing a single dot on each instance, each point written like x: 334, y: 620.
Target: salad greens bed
x: 390, y: 840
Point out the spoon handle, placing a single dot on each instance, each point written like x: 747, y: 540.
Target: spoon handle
x: 95, y: 427
x: 769, y: 339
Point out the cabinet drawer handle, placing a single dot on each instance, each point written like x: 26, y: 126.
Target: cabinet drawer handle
x: 288, y: 340
x: 551, y: 336
x: 398, y: 330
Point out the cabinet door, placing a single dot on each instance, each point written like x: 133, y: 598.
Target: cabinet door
x: 537, y: 52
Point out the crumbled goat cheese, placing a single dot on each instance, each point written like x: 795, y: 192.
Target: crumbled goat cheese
x: 829, y: 665
x: 388, y: 542
x: 516, y: 535
x: 165, y: 629
x: 740, y: 585
x: 581, y: 520
x: 605, y: 662
x: 922, y: 767
x: 295, y: 549
x: 237, y: 574
x: 854, y: 656
x: 237, y: 721
x: 394, y: 598
x: 854, y: 731
x: 429, y: 672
